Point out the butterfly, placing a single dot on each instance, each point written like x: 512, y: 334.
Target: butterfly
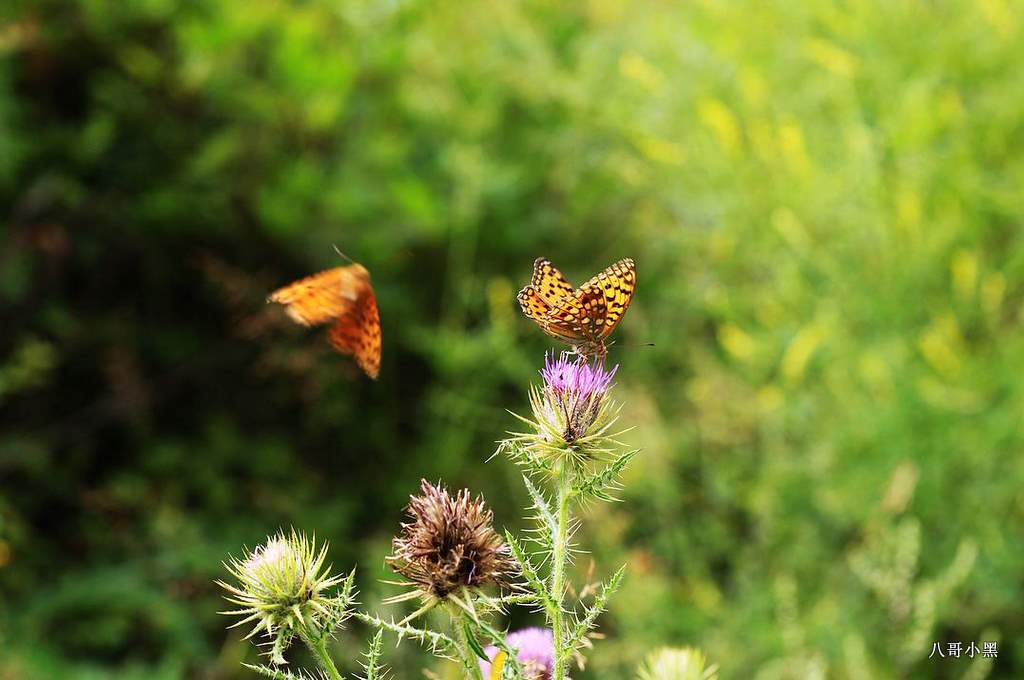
x: 582, y: 317
x: 344, y: 297
x: 498, y: 665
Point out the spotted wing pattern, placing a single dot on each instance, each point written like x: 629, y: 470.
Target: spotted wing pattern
x: 534, y: 306
x: 324, y: 296
x: 615, y: 285
x: 547, y: 288
x: 343, y: 296
x: 549, y: 283
x: 579, y: 319
x: 357, y: 332
x: 583, y: 317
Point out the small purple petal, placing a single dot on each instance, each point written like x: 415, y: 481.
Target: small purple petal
x: 579, y: 376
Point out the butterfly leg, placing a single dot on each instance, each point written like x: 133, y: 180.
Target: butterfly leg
x: 596, y: 351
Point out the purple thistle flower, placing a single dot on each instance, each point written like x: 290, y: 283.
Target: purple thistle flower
x: 536, y: 652
x: 573, y: 395
x: 579, y: 376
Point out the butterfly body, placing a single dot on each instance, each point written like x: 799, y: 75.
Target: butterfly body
x: 583, y: 317
x: 343, y: 297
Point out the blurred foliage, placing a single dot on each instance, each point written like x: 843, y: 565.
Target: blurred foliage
x: 824, y: 200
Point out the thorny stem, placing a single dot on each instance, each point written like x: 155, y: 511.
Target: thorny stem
x: 319, y: 647
x: 469, y: 658
x: 559, y: 558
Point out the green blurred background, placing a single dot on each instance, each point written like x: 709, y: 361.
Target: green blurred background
x: 825, y: 204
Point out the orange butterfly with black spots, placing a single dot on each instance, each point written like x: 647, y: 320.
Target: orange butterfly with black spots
x: 344, y: 296
x: 583, y: 317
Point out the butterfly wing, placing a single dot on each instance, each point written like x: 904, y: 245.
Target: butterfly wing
x: 614, y: 288
x: 549, y: 283
x: 357, y: 332
x: 344, y: 296
x: 498, y: 666
x: 533, y: 305
x: 577, y: 319
x: 547, y: 288
x: 588, y: 316
x: 322, y: 297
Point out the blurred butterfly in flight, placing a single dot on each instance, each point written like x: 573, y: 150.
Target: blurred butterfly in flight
x: 344, y: 298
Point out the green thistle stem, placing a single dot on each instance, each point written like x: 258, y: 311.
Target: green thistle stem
x: 559, y: 558
x: 469, y: 657
x: 319, y: 647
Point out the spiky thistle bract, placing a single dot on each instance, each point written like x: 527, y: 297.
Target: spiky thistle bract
x: 572, y: 415
x: 284, y: 589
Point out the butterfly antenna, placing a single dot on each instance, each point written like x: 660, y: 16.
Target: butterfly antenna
x: 343, y: 255
x: 637, y: 344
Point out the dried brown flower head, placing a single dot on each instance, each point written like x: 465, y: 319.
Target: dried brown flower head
x: 450, y: 544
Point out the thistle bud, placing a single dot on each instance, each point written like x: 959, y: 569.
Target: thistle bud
x: 672, y: 663
x: 283, y: 590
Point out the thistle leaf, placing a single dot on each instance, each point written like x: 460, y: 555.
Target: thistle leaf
x: 278, y: 674
x: 474, y: 644
x: 594, y: 610
x: 545, y: 516
x: 601, y: 484
x: 436, y: 643
x: 372, y: 669
x: 533, y: 579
